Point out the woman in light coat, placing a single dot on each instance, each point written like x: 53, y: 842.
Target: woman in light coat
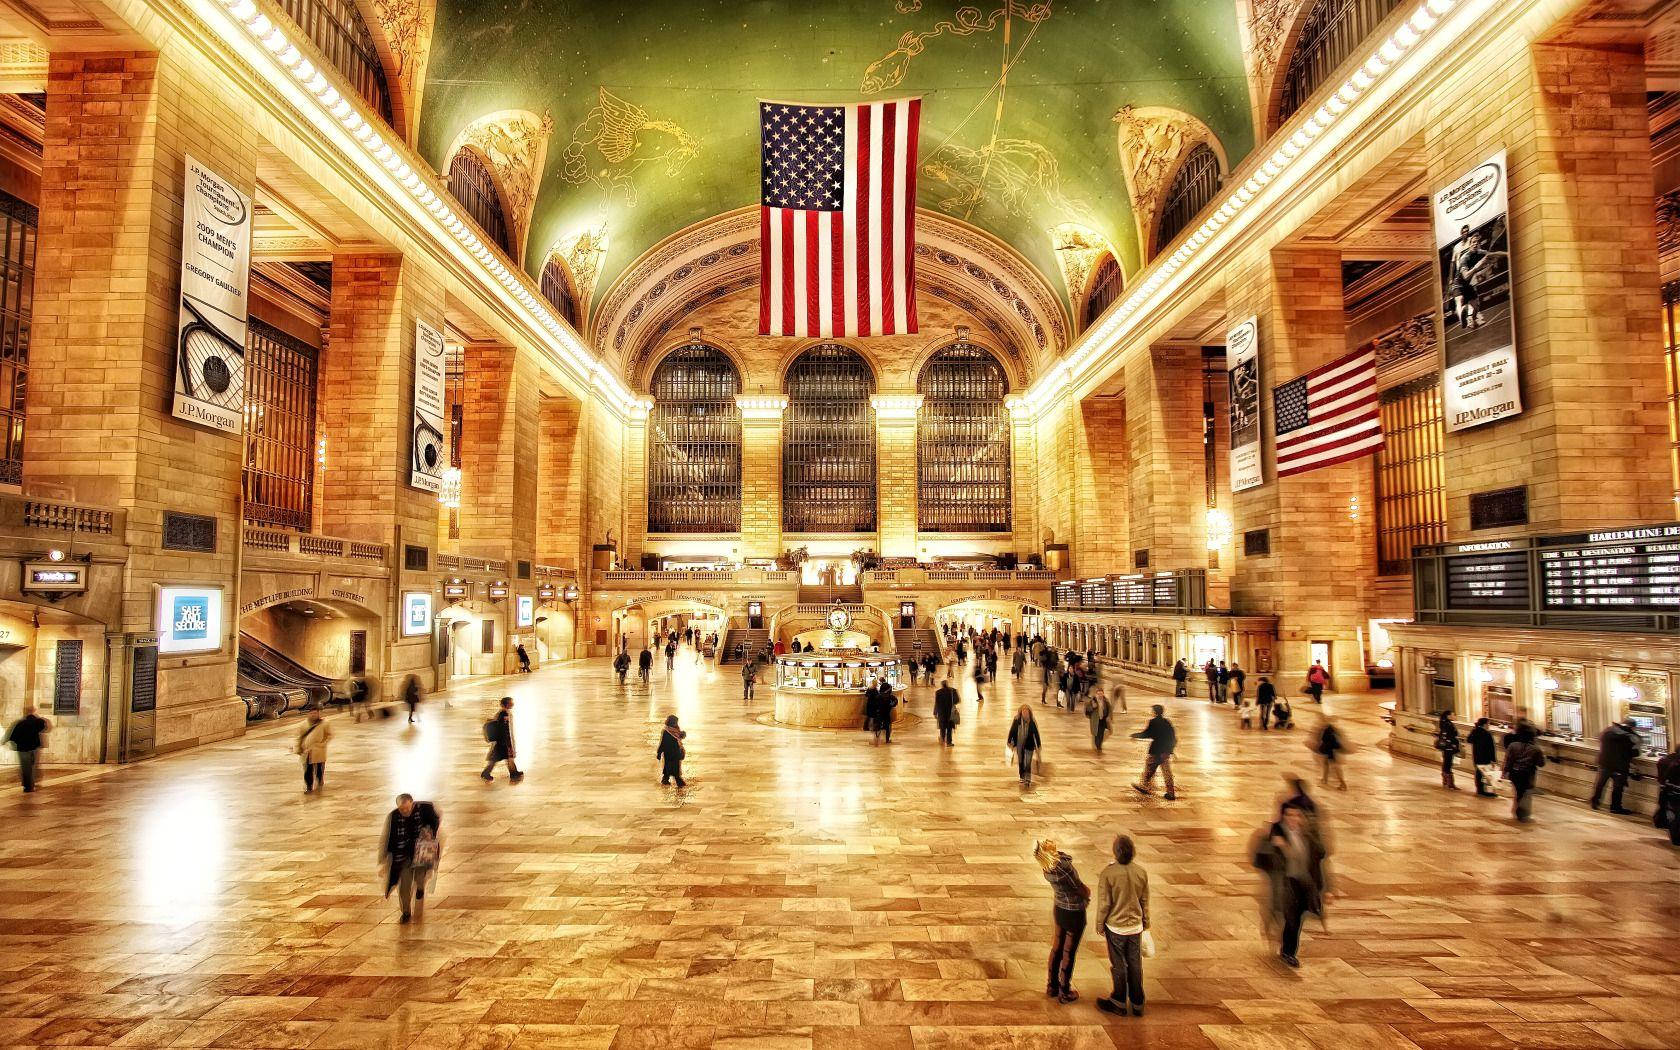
x: 312, y: 748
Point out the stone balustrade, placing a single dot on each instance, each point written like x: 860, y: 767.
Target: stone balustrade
x: 309, y: 545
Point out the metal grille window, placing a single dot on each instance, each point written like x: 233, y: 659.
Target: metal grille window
x: 1192, y: 188
x: 962, y: 443
x: 557, y: 289
x: 828, y: 444
x: 1410, y: 474
x: 1671, y: 369
x: 279, y: 474
x: 1105, y: 288
x: 471, y: 184
x: 1329, y: 34
x: 337, y: 28
x: 18, y: 223
x: 694, y: 443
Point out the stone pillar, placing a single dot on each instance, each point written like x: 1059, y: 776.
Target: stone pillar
x: 635, y: 503
x: 1163, y: 412
x: 561, y: 483
x: 500, y: 425
x: 1590, y: 443
x: 895, y: 473
x: 1317, y: 578
x: 1023, y: 478
x: 102, y: 355
x: 1102, y: 487
x: 761, y: 474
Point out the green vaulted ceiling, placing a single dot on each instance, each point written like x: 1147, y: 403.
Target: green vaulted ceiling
x: 655, y: 116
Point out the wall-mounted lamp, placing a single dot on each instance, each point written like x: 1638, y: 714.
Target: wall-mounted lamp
x: 1625, y: 692
x: 1549, y: 684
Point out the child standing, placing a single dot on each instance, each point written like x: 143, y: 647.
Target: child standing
x: 1245, y: 710
x: 671, y: 752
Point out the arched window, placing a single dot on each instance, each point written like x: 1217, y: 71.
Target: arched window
x: 828, y: 444
x: 694, y: 443
x: 471, y: 184
x: 1330, y: 32
x: 1105, y: 288
x: 1191, y: 190
x: 557, y: 289
x: 962, y: 443
x: 336, y: 27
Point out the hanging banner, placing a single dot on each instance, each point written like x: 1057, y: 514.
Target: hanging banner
x: 1478, y: 344
x: 1242, y: 350
x: 431, y: 451
x: 215, y: 281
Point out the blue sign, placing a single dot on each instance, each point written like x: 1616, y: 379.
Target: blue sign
x: 191, y: 617
x: 417, y: 613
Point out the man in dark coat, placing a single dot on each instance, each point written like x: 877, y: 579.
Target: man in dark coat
x: 499, y: 732
x: 1163, y: 741
x: 1616, y: 748
x: 945, y: 711
x: 1523, y: 759
x: 644, y: 662
x: 403, y: 829
x: 1265, y: 695
x: 1483, y: 753
x: 25, y: 736
x: 671, y: 752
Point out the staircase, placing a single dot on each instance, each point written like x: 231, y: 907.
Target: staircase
x: 756, y: 641
x: 905, y: 639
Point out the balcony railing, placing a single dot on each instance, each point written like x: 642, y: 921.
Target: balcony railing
x: 281, y: 541
x: 881, y: 577
x: 457, y: 563
x: 54, y: 516
x: 715, y: 576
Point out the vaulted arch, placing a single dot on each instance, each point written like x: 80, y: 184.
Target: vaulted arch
x: 828, y: 443
x: 694, y: 443
x: 1193, y: 188
x: 474, y: 188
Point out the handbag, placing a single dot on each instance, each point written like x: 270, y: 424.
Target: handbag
x: 1146, y: 945
x: 426, y: 849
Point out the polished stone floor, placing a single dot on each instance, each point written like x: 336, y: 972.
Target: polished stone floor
x: 806, y: 890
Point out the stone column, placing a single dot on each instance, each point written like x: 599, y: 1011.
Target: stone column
x: 1163, y: 413
x: 500, y: 424
x: 1102, y: 487
x: 1023, y: 478
x: 895, y: 473
x: 634, y: 466
x: 761, y: 473
x: 102, y: 356
x: 561, y: 484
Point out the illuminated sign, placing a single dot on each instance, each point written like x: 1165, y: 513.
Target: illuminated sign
x: 417, y: 613
x: 527, y: 611
x: 39, y: 576
x: 189, y: 619
x: 498, y: 590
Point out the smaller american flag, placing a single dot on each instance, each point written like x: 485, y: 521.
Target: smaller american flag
x: 1329, y: 415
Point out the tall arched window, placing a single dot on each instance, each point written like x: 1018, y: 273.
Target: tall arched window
x: 1191, y: 190
x: 471, y: 184
x: 962, y: 443
x: 1105, y: 288
x: 557, y: 289
x: 337, y: 28
x: 1329, y: 33
x: 828, y: 444
x: 694, y: 443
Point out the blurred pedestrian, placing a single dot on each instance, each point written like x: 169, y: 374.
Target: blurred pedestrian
x: 27, y: 736
x: 749, y: 677
x: 1163, y: 741
x: 1298, y: 874
x: 644, y: 664
x: 1317, y: 679
x: 671, y: 752
x: 524, y: 658
x: 1265, y: 695
x: 1446, y: 742
x: 1068, y: 916
x: 312, y: 748
x: 1523, y: 759
x: 499, y: 732
x: 1025, y: 742
x: 1123, y: 911
x: 945, y: 702
x: 1329, y: 748
x: 621, y: 665
x: 1484, y: 757
x: 1098, y: 711
x: 1117, y: 696
x: 1181, y: 679
x: 409, y: 850
x: 1018, y: 662
x: 411, y: 696
x: 360, y: 692
x: 1616, y: 747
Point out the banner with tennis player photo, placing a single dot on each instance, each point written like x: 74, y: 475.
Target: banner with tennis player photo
x: 215, y: 281
x: 1242, y: 352
x: 1478, y: 332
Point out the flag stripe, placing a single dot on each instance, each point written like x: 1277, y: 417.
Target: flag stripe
x: 849, y: 285
x: 769, y: 265
x: 889, y: 183
x: 1330, y: 415
x: 787, y: 271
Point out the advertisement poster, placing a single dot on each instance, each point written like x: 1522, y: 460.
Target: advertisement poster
x: 417, y: 613
x: 215, y: 281
x: 1478, y: 332
x: 1242, y: 350
x: 189, y: 619
x: 431, y: 449
x: 527, y: 611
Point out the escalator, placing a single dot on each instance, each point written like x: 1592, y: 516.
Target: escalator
x: 272, y: 683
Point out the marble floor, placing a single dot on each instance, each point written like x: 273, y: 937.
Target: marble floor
x: 805, y: 890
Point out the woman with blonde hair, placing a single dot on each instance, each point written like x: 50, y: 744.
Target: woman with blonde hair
x: 1025, y: 742
x: 1072, y: 895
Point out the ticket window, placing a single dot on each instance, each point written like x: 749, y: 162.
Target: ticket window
x: 1559, y: 693
x: 1646, y: 703
x: 1439, y: 685
x: 1498, y: 698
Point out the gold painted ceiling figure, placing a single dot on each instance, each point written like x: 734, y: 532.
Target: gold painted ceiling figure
x: 1014, y: 174
x: 890, y: 70
x: 615, y: 140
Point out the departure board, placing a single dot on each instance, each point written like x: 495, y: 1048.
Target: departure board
x: 1132, y: 591
x: 1488, y: 579
x: 1634, y: 568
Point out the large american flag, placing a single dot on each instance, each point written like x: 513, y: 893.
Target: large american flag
x: 837, y: 229
x: 1330, y: 415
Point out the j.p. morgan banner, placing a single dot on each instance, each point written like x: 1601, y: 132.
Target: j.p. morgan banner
x: 1479, y: 371
x: 215, y: 279
x: 430, y: 451
x: 1242, y: 349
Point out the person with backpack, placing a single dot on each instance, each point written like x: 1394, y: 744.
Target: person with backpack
x: 409, y: 851
x: 1523, y: 760
x: 1484, y: 754
x: 499, y: 733
x: 1446, y: 742
x: 1099, y: 711
x: 312, y: 748
x: 1317, y: 679
x: 671, y: 752
x: 621, y: 665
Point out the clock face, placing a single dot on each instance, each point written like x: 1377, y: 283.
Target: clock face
x: 839, y: 619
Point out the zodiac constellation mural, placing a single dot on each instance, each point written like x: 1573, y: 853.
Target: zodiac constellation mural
x: 888, y: 71
x: 615, y: 140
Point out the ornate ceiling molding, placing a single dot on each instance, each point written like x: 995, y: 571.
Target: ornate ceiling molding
x: 515, y: 143
x: 955, y: 262
x: 403, y: 34
x: 1154, y: 140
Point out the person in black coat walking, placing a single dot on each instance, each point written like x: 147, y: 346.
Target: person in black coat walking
x: 644, y: 663
x: 1265, y: 695
x: 1299, y: 878
x: 1446, y: 742
x: 26, y: 736
x: 1024, y: 739
x: 945, y: 711
x: 671, y: 752
x: 1484, y: 753
x: 1181, y: 678
x: 499, y: 732
x: 1329, y: 749
x: 405, y: 852
x: 1523, y: 759
x: 1616, y: 748
x: 1163, y: 741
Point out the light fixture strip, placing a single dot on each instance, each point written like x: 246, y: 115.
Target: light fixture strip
x: 343, y: 116
x: 1258, y: 190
